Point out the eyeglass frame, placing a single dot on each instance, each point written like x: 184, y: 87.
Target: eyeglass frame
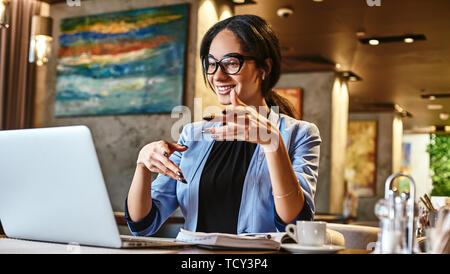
x: 218, y: 63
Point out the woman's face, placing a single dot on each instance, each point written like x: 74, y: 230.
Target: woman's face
x: 246, y: 83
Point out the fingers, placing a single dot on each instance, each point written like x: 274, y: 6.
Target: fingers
x: 155, y: 157
x: 165, y: 165
x: 177, y: 147
x: 229, y: 132
x: 243, y: 126
x: 231, y: 114
x: 168, y: 148
x: 157, y: 165
x: 235, y: 131
x: 235, y: 101
x: 241, y: 122
x: 238, y: 123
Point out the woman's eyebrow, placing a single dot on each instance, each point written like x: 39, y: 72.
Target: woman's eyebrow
x: 231, y: 54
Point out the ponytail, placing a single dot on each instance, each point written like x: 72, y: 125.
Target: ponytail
x: 285, y: 107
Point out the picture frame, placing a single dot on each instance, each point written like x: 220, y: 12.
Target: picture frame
x: 361, y: 157
x: 126, y: 62
x: 295, y: 97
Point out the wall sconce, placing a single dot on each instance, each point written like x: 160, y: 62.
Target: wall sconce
x: 41, y: 40
x: 350, y: 76
x: 401, y: 111
x: 5, y: 13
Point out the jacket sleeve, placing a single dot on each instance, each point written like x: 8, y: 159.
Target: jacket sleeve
x: 304, y: 151
x: 164, y: 199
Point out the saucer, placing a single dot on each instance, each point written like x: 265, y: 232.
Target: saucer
x: 303, y: 249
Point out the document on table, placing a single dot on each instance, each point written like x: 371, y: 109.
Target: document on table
x: 224, y: 240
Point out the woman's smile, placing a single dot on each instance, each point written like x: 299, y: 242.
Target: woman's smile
x: 224, y: 89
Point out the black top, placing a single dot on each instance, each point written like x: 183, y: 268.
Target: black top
x: 221, y: 184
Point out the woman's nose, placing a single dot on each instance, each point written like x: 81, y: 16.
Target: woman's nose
x: 219, y: 74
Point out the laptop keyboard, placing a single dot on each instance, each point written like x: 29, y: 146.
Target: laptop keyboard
x: 137, y: 241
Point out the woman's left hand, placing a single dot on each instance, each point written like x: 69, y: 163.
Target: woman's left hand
x: 245, y: 123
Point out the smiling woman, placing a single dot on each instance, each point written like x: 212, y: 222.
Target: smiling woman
x: 227, y: 178
x: 264, y: 46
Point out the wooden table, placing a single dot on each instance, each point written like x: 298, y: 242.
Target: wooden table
x: 16, y: 246
x: 8, y: 245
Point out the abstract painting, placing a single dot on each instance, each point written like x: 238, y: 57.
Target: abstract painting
x: 360, y: 158
x: 406, y: 158
x: 405, y: 168
x: 294, y: 96
x: 127, y: 62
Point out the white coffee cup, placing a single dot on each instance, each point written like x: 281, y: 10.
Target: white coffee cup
x: 309, y: 233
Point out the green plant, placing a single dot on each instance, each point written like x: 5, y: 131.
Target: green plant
x: 439, y: 150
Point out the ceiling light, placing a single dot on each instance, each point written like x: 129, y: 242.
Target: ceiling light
x: 338, y: 66
x: 434, y: 106
x: 443, y: 116
x: 439, y: 128
x: 360, y: 33
x: 374, y: 42
x: 401, y: 111
x: 285, y: 12
x: 317, y: 1
x: 350, y: 76
x: 408, y: 40
x: 393, y: 39
x: 398, y: 108
x: 239, y: 1
x: 434, y: 94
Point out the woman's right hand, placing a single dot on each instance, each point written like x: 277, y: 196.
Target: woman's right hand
x: 155, y: 157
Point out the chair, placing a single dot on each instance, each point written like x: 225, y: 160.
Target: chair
x: 356, y: 236
x: 334, y: 237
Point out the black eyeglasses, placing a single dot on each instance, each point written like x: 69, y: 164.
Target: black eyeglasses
x: 230, y: 64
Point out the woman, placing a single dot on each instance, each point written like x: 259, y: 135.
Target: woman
x: 232, y: 178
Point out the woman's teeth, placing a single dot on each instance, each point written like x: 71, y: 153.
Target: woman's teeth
x: 224, y: 88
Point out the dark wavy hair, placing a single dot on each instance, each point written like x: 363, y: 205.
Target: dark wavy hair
x: 258, y: 39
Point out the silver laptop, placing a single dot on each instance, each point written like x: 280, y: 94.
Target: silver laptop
x: 52, y: 189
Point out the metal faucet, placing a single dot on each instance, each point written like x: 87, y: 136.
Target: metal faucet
x: 409, y: 199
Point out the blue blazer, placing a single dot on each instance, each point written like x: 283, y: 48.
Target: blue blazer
x: 257, y: 210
